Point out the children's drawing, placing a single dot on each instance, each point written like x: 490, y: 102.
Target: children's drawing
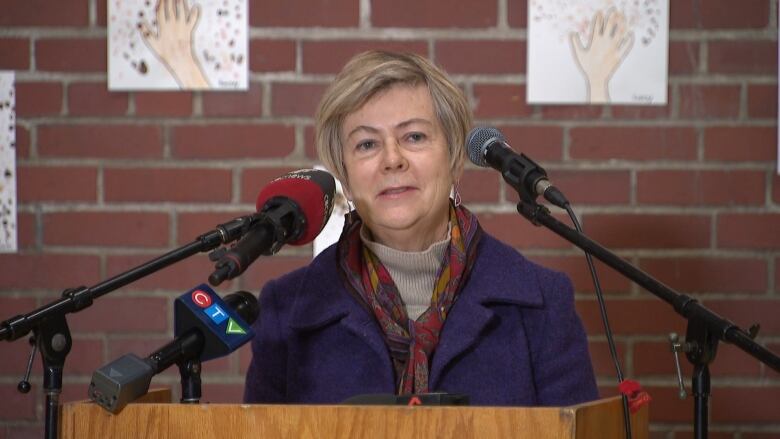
x: 177, y: 44
x: 597, y: 51
x: 608, y: 45
x: 7, y: 163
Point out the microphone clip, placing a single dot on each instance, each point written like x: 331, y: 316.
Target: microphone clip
x: 526, y: 176
x: 532, y: 211
x: 283, y: 216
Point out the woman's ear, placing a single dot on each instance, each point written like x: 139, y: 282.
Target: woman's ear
x: 457, y: 172
x: 347, y: 192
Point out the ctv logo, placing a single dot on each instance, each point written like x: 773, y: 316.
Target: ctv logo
x: 201, y: 298
x: 216, y: 313
x: 218, y: 316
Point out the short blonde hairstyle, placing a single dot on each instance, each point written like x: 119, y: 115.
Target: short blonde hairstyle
x: 371, y: 72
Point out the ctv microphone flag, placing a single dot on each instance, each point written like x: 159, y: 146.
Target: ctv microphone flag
x: 205, y: 327
x: 223, y: 329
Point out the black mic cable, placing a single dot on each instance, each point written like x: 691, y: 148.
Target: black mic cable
x: 488, y: 147
x: 604, y: 321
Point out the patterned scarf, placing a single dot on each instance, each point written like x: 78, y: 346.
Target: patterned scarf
x: 411, y: 343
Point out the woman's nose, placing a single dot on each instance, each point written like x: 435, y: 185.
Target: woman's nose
x: 393, y: 157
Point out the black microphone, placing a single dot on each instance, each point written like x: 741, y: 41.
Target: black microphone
x: 205, y: 327
x: 488, y: 148
x: 291, y: 209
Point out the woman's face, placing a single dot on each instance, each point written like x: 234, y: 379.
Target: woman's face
x: 398, y: 167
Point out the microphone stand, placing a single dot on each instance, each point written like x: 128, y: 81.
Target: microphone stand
x: 705, y: 328
x: 50, y: 327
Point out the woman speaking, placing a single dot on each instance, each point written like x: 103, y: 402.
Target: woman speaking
x: 414, y: 297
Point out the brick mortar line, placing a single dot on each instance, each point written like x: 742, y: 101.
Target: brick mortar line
x: 530, y: 251
x: 298, y: 58
x: 197, y: 105
x: 502, y: 12
x: 241, y: 163
x: 634, y: 254
x: 314, y: 33
x: 625, y: 209
x: 587, y: 164
x: 365, y: 14
x: 653, y: 338
x: 173, y: 229
x: 492, y: 33
x: 64, y: 77
x: 151, y: 252
x: 92, y: 12
x: 38, y: 241
x: 298, y: 76
x: 54, y: 32
x: 584, y: 295
x: 185, y: 163
x: 638, y: 122
x: 109, y: 251
x: 487, y: 208
x: 236, y: 186
x: 722, y: 383
x: 633, y: 185
x: 597, y: 122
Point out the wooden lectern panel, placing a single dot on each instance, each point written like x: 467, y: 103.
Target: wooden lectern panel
x: 598, y: 419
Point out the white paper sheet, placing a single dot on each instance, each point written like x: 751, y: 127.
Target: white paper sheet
x: 598, y: 51
x: 8, y: 221
x: 177, y: 44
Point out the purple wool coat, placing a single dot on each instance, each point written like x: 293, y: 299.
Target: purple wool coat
x: 512, y: 338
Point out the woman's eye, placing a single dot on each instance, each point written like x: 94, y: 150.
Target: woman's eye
x: 365, y: 145
x: 416, y: 137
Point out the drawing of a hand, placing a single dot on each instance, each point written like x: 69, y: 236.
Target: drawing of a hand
x: 173, y: 44
x: 608, y: 46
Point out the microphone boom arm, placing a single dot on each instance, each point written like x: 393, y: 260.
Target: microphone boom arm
x: 49, y: 324
x: 705, y: 328
x: 76, y: 299
x: 684, y: 305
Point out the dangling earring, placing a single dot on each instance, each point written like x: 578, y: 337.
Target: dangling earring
x: 457, y: 195
x: 350, y: 205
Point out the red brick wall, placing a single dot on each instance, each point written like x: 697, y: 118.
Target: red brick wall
x: 686, y: 191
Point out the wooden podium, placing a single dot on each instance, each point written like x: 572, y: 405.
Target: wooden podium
x: 155, y: 417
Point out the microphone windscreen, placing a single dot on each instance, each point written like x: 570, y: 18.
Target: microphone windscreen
x: 245, y: 304
x: 478, y: 140
x: 312, y: 190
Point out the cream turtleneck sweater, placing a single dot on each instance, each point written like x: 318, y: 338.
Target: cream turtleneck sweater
x: 414, y: 273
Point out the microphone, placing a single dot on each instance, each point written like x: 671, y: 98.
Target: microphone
x: 488, y: 148
x: 292, y: 209
x: 205, y: 327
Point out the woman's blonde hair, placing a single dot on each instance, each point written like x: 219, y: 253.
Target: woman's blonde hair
x: 371, y: 72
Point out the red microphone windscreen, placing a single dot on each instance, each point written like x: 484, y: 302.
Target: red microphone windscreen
x: 312, y: 190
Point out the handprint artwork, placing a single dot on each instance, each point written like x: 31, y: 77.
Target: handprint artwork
x: 608, y: 45
x: 597, y: 51
x: 177, y: 44
x: 172, y: 41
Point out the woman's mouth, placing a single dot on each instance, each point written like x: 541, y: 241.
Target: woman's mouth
x: 395, y: 191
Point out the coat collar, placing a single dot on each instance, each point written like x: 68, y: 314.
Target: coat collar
x: 500, y: 275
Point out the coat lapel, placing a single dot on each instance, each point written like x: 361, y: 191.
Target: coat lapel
x: 322, y: 300
x: 500, y: 275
